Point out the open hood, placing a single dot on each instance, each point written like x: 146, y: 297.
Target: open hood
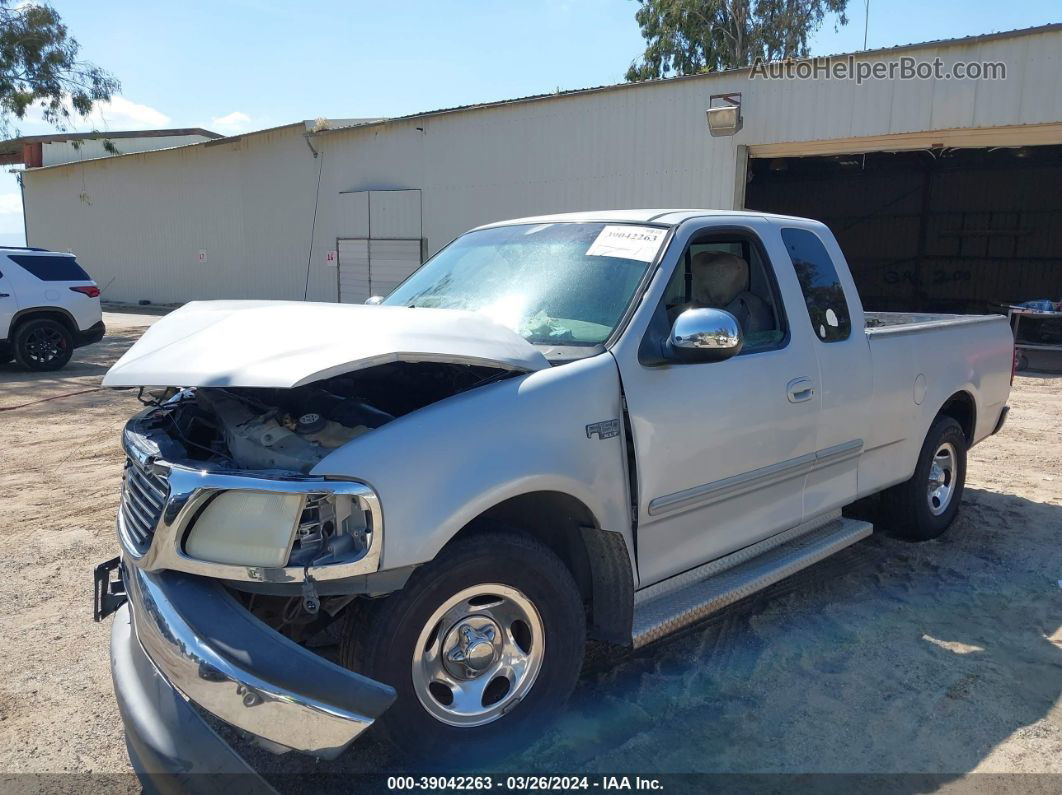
x: 290, y: 343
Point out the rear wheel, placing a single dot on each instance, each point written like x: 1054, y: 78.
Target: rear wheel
x: 926, y: 505
x: 482, y: 645
x: 43, y: 344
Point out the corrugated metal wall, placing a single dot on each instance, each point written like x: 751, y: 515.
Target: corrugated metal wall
x: 140, y: 220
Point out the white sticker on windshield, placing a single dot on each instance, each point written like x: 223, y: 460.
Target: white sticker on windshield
x: 627, y: 242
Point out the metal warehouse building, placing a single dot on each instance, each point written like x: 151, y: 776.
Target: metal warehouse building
x: 944, y: 193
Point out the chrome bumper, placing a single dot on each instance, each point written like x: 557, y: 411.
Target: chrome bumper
x: 220, y: 657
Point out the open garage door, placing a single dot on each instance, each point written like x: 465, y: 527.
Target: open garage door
x: 374, y: 267
x: 960, y: 230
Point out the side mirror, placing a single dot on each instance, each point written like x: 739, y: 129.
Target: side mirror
x: 704, y: 335
x: 373, y: 300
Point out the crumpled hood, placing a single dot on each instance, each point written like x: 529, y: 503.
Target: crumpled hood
x: 289, y: 343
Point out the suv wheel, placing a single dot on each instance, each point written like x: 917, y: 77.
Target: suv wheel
x: 926, y: 505
x: 481, y: 644
x: 43, y: 344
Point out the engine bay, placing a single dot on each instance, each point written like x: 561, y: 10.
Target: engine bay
x: 291, y: 430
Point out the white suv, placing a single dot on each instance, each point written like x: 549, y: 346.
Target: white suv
x: 48, y: 307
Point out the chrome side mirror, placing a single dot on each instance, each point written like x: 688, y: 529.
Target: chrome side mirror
x: 373, y: 300
x: 704, y: 335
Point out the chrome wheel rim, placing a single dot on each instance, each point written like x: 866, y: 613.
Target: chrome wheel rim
x: 941, y: 486
x: 478, y: 655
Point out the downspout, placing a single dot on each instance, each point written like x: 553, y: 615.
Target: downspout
x: 22, y: 195
x: 313, y: 224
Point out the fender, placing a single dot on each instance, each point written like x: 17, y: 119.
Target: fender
x: 437, y: 469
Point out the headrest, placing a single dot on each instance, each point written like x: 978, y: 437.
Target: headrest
x: 718, y: 278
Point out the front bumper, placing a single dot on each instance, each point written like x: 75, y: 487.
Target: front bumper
x: 208, y: 649
x: 170, y: 746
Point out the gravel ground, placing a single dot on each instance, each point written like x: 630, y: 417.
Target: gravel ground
x: 941, y: 658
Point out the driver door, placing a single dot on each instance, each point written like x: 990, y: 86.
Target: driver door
x: 721, y: 447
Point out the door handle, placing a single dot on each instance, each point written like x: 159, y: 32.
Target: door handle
x: 800, y: 390
x: 5, y: 295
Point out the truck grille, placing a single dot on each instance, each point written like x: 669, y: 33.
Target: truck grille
x: 143, y: 497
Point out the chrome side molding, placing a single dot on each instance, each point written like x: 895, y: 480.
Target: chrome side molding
x: 737, y: 485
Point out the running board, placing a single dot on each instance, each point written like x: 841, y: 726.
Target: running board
x: 679, y: 601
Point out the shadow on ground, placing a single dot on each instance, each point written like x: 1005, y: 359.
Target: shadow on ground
x: 84, y: 371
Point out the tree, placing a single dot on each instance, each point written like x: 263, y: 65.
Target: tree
x: 39, y: 66
x: 691, y: 36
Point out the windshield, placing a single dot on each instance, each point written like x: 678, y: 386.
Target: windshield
x: 554, y: 284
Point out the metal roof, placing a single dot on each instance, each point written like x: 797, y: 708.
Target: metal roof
x: 311, y: 126
x: 11, y: 144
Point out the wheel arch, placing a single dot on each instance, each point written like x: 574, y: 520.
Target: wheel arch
x: 598, y: 559
x: 43, y: 313
x: 962, y: 407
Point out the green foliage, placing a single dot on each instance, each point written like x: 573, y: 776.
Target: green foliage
x: 689, y: 36
x: 39, y: 66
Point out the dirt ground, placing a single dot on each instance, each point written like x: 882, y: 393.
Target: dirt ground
x: 942, y: 658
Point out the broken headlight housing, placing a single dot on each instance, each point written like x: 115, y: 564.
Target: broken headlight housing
x: 277, y: 529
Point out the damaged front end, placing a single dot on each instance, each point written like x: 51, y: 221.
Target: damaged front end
x: 218, y: 480
x: 236, y: 556
x: 237, y: 552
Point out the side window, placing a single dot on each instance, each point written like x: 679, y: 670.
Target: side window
x: 729, y: 273
x: 52, y: 269
x: 823, y: 294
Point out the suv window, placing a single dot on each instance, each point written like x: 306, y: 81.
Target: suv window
x: 823, y: 294
x: 729, y: 273
x: 51, y: 269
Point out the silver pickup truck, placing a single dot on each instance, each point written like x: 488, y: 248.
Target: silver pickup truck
x: 604, y: 425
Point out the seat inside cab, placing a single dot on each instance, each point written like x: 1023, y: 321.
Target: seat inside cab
x: 730, y: 275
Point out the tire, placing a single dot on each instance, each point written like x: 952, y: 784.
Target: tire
x: 918, y: 511
x: 43, y: 344
x: 404, y: 640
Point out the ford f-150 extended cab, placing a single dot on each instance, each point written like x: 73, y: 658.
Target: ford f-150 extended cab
x: 602, y: 425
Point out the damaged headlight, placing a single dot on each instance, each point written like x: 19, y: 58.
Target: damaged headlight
x: 278, y: 529
x: 247, y: 528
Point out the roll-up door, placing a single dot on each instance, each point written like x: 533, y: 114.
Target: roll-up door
x: 353, y: 271
x: 390, y: 262
x: 374, y: 267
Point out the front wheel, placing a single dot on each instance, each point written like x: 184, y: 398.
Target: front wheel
x: 926, y: 505
x: 482, y: 645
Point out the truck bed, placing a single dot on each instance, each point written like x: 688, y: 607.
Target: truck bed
x: 878, y: 323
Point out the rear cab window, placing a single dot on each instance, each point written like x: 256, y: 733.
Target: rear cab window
x: 823, y: 293
x: 51, y: 268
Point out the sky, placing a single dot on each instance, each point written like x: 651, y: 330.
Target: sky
x: 237, y: 65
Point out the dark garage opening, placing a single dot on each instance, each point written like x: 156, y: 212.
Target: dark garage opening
x: 947, y: 230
